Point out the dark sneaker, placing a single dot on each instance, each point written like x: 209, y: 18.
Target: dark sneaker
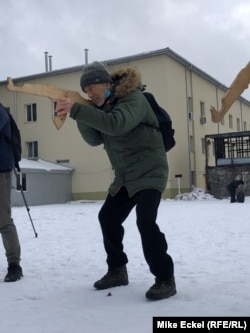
x: 161, y: 289
x: 14, y: 273
x: 114, y: 278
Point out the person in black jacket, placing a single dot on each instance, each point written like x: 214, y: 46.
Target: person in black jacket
x: 232, y: 187
x: 7, y: 227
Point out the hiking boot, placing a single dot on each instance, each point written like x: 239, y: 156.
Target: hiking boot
x: 161, y: 289
x: 14, y: 273
x: 114, y: 278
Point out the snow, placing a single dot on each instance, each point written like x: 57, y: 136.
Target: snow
x: 208, y: 240
x: 42, y: 165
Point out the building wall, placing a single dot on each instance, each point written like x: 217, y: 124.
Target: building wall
x: 172, y: 79
x: 43, y: 188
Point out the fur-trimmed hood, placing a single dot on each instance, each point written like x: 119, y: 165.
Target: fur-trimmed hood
x: 125, y: 80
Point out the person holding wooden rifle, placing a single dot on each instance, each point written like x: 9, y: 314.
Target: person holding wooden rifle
x: 138, y: 158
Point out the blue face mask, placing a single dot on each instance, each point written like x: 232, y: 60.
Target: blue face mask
x: 107, y: 93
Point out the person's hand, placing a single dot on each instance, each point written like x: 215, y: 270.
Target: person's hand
x: 63, y: 106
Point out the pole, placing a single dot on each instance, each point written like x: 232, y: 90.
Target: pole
x: 25, y: 201
x: 179, y: 183
x: 179, y: 187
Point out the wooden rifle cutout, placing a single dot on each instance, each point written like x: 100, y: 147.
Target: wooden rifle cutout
x: 239, y: 84
x: 51, y: 92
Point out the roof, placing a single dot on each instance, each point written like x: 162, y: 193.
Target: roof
x: 39, y: 164
x: 166, y: 51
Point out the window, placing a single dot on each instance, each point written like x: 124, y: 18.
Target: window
x: 230, y: 121
x: 32, y: 149
x: 202, y: 109
x: 203, y: 118
x: 244, y: 126
x: 21, y: 183
x: 238, y: 124
x: 203, y: 147
x: 31, y: 114
x: 190, y: 109
x: 232, y: 147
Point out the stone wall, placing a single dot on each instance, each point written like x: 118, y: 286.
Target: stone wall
x: 218, y: 178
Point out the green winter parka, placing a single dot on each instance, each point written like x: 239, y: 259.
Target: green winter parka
x: 136, y: 152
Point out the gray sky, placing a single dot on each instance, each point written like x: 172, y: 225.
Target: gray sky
x: 213, y: 35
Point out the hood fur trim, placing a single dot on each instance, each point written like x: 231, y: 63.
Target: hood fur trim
x: 125, y: 80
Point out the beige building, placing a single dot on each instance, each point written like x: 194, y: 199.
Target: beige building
x: 179, y: 86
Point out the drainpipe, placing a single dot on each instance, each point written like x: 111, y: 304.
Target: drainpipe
x: 217, y: 108
x: 241, y: 119
x: 189, y: 147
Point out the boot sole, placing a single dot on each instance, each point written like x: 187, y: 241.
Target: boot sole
x: 157, y: 297
x: 100, y: 287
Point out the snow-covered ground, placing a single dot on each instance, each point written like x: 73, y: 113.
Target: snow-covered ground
x: 208, y: 239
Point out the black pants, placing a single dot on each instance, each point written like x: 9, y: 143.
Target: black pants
x: 232, y: 192
x: 232, y: 196
x: 114, y: 212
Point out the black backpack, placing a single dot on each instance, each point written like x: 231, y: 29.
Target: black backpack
x: 165, y: 122
x: 15, y: 139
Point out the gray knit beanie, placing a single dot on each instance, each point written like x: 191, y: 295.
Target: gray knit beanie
x: 94, y: 73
